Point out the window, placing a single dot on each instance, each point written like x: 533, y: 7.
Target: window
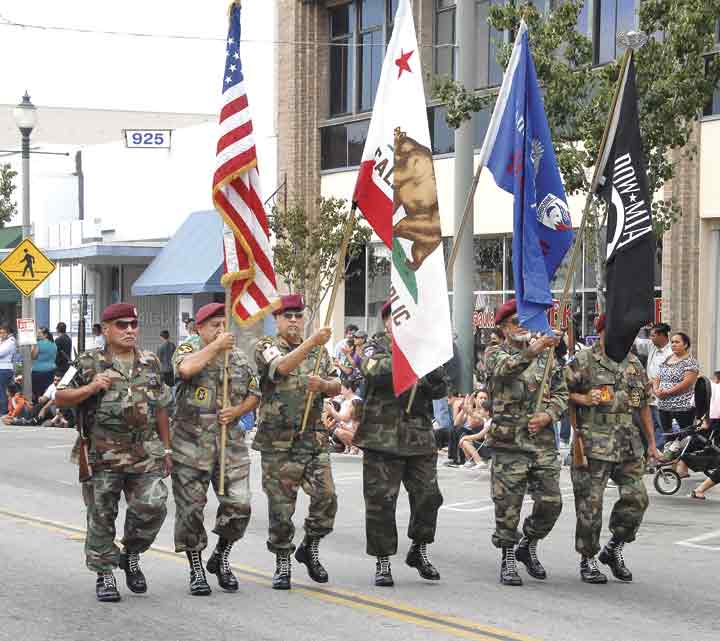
x: 355, y: 70
x: 613, y: 17
x: 342, y: 145
x: 342, y: 26
x: 445, y: 38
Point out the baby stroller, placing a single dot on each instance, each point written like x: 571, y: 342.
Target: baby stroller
x: 701, y: 449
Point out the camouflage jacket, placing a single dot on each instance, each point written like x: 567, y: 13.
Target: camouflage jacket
x: 608, y: 432
x: 283, y: 398
x: 195, y: 429
x: 121, y: 421
x: 385, y: 426
x: 514, y: 378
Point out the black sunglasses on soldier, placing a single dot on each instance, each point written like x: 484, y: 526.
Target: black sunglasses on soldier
x: 123, y: 325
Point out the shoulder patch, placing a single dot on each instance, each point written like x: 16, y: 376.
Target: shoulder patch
x: 184, y: 348
x: 369, y: 351
x: 270, y: 353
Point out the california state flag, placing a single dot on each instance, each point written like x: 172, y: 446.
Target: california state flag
x: 396, y: 193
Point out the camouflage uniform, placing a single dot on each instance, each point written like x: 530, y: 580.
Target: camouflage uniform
x: 397, y: 447
x: 125, y: 452
x: 522, y: 461
x: 196, y: 446
x: 291, y: 459
x: 613, y: 446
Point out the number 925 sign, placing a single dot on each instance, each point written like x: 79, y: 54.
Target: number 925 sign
x: 147, y: 138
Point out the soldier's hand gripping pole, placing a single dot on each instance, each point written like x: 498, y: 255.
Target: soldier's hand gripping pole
x: 226, y: 400
x: 339, y: 273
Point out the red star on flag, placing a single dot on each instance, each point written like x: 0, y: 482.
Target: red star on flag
x: 402, y: 62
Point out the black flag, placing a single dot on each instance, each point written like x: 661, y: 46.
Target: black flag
x: 630, y: 236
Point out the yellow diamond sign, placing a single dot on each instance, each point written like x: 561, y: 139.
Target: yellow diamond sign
x: 27, y: 267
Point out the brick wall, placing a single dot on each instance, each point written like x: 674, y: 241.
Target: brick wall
x: 681, y: 247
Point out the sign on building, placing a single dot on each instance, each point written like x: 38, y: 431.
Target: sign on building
x: 26, y: 332
x: 147, y: 138
x: 27, y: 267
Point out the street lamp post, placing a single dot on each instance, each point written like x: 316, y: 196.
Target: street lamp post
x: 25, y: 115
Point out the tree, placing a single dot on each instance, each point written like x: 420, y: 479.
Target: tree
x: 307, y: 245
x: 8, y: 207
x: 675, y: 79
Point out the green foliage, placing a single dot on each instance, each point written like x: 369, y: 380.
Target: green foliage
x: 675, y: 79
x: 307, y: 246
x: 8, y: 207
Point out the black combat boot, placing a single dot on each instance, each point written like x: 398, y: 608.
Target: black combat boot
x: 281, y: 578
x: 106, y: 588
x: 589, y: 571
x: 508, y: 568
x: 383, y: 576
x: 417, y: 558
x: 198, y: 582
x: 309, y: 554
x: 526, y: 553
x: 219, y: 564
x: 134, y: 577
x: 612, y: 556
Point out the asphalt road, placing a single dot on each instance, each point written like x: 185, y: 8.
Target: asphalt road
x: 46, y: 593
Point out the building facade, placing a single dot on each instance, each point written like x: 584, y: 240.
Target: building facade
x: 323, y: 120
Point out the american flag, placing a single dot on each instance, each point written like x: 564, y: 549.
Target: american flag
x: 237, y: 196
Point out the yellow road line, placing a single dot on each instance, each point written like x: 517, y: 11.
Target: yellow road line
x: 446, y: 624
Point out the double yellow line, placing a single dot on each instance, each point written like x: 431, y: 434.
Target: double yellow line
x: 448, y: 625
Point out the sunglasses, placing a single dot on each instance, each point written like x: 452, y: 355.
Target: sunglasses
x: 291, y: 315
x: 121, y: 324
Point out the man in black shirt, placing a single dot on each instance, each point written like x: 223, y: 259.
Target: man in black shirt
x: 64, y: 349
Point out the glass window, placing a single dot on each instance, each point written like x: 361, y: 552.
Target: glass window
x: 356, y: 135
x: 490, y: 72
x: 509, y: 278
x: 488, y: 253
x: 444, y: 43
x: 340, y: 21
x: 371, y: 14
x: 333, y: 147
x: 369, y: 66
x: 340, y: 77
x: 481, y: 122
x: 442, y: 138
x: 615, y: 16
x: 713, y: 106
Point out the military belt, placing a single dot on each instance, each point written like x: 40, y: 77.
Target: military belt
x: 608, y: 418
x: 125, y: 437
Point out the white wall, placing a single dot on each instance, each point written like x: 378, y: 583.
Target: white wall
x: 493, y: 207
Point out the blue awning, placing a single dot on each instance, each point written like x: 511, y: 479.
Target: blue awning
x: 191, y: 262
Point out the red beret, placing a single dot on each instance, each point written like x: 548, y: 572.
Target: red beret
x: 386, y: 310
x: 290, y: 301
x: 505, y: 310
x: 600, y: 323
x: 208, y: 311
x: 118, y: 310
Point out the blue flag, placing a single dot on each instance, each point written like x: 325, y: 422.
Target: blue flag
x: 521, y: 158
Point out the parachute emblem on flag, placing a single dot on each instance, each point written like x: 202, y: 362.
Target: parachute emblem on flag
x: 554, y: 213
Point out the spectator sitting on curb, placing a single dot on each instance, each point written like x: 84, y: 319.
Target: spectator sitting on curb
x: 472, y: 444
x: 466, y: 420
x: 345, y: 419
x: 18, y: 409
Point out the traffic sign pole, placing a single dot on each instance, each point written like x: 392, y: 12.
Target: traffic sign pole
x: 27, y: 300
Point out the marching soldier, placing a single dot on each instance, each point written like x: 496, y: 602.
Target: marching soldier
x: 198, y: 364
x: 525, y: 455
x: 291, y: 458
x: 129, y: 448
x: 605, y: 394
x: 398, y: 446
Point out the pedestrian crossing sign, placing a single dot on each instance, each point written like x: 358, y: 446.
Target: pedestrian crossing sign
x: 26, y: 267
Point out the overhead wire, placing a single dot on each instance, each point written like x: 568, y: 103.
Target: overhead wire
x: 179, y: 36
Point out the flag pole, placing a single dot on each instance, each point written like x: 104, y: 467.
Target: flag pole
x: 599, y: 170
x: 339, y: 271
x: 226, y: 367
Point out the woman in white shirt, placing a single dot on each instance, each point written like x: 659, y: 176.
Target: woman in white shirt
x: 347, y: 417
x: 7, y: 366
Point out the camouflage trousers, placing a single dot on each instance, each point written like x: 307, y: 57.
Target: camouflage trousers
x: 283, y: 474
x: 145, y: 495
x: 513, y: 473
x: 382, y: 475
x: 190, y: 488
x: 589, y: 488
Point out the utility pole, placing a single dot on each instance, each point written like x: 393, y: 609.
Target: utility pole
x: 464, y: 268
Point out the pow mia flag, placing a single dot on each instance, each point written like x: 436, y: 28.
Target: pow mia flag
x: 630, y: 237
